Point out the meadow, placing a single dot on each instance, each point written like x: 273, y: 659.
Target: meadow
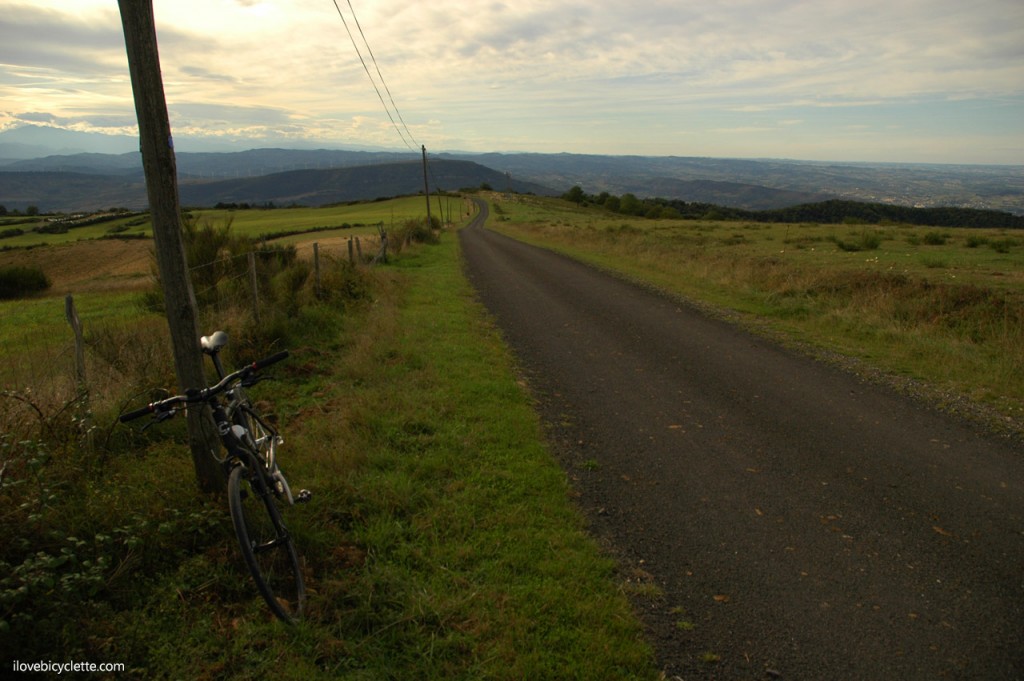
x: 441, y: 543
x: 348, y: 219
x: 930, y: 310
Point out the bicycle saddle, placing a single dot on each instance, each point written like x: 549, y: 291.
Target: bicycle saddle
x: 214, y: 342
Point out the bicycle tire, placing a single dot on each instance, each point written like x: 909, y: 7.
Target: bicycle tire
x: 266, y: 545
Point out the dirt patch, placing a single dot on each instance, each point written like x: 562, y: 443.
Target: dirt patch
x: 85, y: 266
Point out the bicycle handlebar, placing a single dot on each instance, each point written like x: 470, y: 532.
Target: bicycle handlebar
x: 267, y: 361
x: 193, y: 396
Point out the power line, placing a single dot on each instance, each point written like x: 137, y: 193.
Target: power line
x: 383, y: 82
x: 370, y: 76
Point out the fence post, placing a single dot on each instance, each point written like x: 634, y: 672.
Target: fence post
x: 255, y: 290
x: 382, y: 255
x: 76, y: 325
x: 359, y: 251
x: 351, y: 253
x: 316, y: 267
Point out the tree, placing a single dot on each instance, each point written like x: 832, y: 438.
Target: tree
x: 575, y: 195
x: 630, y: 205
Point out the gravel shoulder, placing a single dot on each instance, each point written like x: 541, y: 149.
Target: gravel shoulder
x: 777, y: 517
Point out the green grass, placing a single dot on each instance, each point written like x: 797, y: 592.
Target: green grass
x: 441, y: 544
x: 361, y: 218
x: 28, y: 320
x: 946, y: 306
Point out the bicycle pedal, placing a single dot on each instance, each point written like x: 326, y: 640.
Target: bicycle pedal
x: 303, y: 496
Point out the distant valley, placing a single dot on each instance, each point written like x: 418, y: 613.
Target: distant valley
x: 70, y: 182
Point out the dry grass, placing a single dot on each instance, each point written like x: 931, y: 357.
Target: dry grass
x: 89, y: 266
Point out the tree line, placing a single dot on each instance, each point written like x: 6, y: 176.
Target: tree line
x: 834, y: 211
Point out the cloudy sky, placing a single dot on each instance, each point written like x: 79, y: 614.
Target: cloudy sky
x: 865, y: 80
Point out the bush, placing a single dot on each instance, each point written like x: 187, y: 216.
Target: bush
x: 866, y: 241
x: 414, y: 231
x: 1002, y: 245
x: 16, y: 282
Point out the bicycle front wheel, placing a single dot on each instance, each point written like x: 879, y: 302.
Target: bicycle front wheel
x: 266, y: 546
x: 264, y: 436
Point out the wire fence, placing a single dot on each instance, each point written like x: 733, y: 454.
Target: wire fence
x: 57, y: 361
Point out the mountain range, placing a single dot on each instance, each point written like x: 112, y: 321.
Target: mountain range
x: 68, y: 172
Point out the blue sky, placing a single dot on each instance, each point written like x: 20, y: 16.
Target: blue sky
x: 895, y: 80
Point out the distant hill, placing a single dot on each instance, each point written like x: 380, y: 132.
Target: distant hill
x: 33, y: 141
x: 748, y: 184
x: 321, y: 187
x: 78, y: 191
x: 922, y: 185
x: 733, y: 194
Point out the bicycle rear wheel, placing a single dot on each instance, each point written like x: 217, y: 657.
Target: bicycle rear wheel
x: 266, y: 546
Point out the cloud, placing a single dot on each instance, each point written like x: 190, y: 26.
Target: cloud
x: 532, y: 72
x: 36, y: 117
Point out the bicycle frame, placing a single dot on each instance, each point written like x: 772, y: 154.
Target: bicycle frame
x: 254, y: 479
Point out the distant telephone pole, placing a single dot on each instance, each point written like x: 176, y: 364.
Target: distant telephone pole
x: 426, y: 189
x: 162, y: 188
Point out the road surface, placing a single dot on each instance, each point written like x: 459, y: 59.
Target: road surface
x: 778, y: 517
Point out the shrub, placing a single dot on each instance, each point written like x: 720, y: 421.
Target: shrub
x: 16, y: 282
x: 866, y: 241
x: 1002, y: 245
x: 415, y: 231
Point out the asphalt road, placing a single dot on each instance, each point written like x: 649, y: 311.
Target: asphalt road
x: 790, y: 520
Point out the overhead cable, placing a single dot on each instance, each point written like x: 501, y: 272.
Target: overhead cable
x: 370, y: 76
x: 381, y: 75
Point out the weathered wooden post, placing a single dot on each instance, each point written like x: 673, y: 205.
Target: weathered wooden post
x: 160, y: 170
x: 76, y: 326
x: 316, y: 267
x: 253, y: 286
x: 85, y: 414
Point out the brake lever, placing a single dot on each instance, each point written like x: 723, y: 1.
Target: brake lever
x: 159, y: 417
x: 252, y: 379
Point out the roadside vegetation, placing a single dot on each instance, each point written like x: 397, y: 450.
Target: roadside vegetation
x: 939, y: 309
x: 441, y: 542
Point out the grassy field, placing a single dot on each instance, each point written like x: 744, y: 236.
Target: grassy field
x: 942, y: 305
x: 353, y: 219
x: 441, y: 543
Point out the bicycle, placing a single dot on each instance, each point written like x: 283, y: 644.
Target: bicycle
x: 255, y: 481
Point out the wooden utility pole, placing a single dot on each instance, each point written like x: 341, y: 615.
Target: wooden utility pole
x: 162, y: 188
x: 426, y: 188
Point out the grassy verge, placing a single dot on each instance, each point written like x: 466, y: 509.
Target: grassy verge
x: 945, y: 306
x: 441, y: 543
